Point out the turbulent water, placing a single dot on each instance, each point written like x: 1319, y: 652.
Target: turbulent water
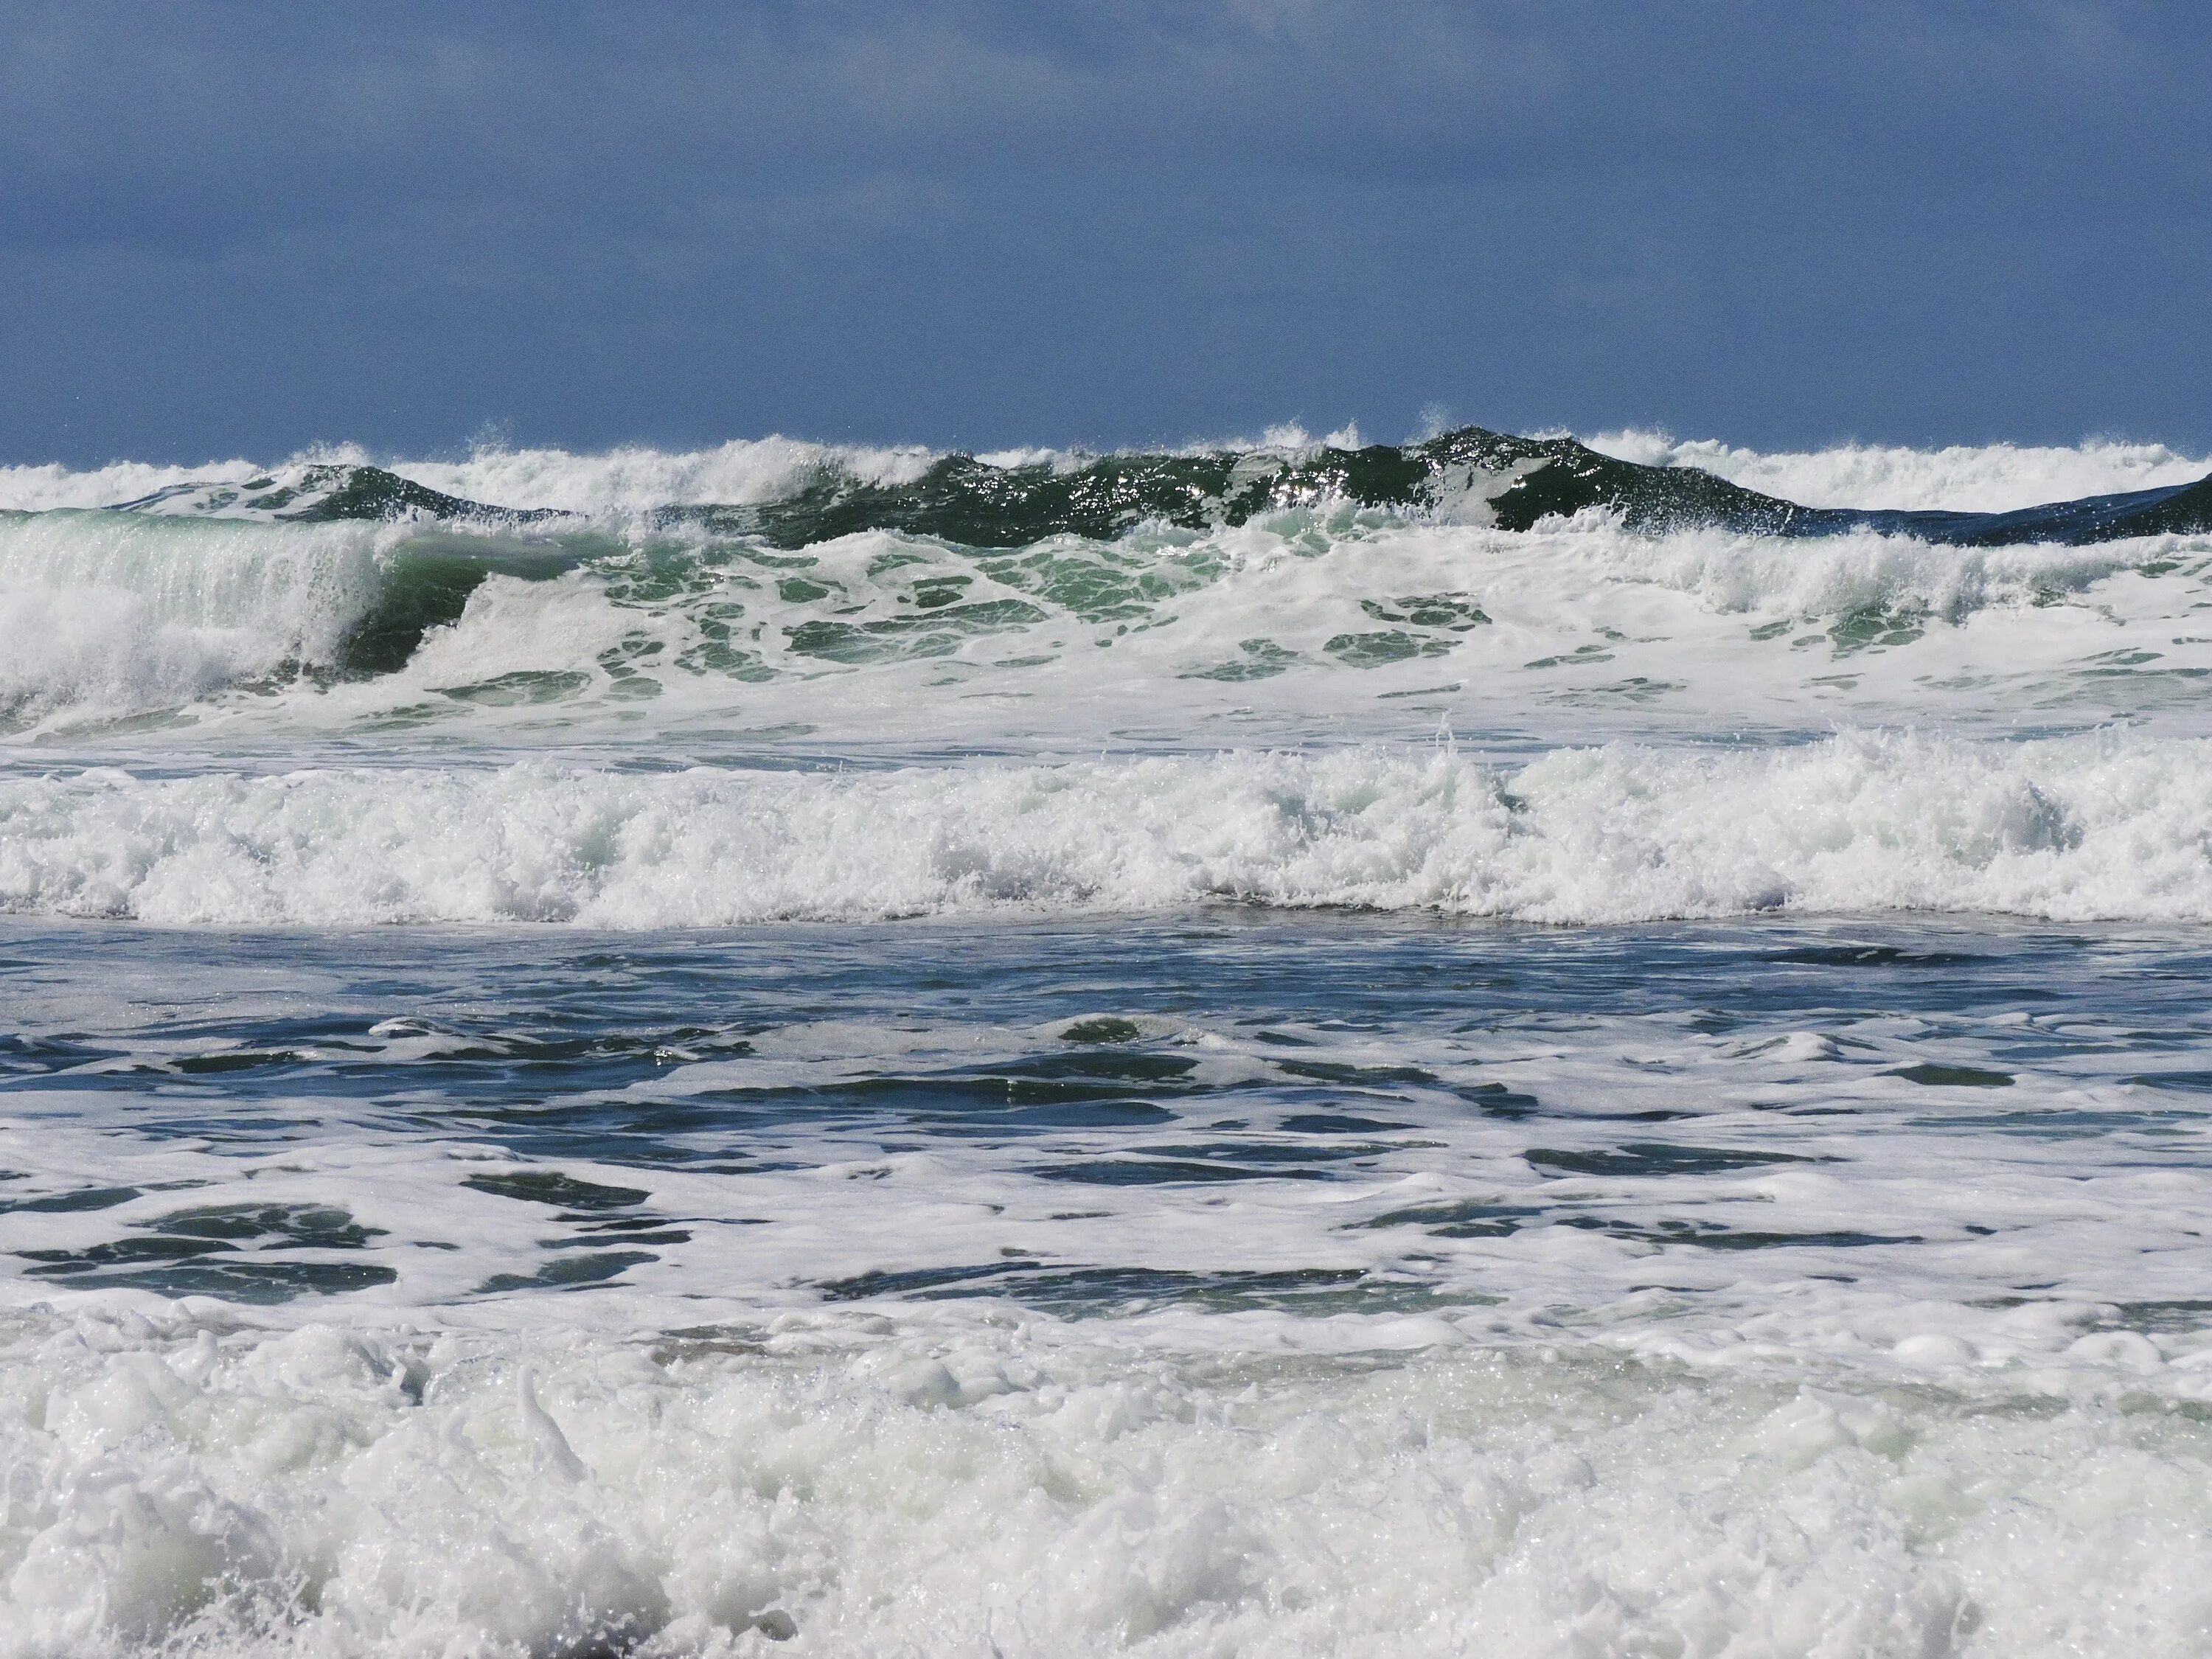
x: 1503, y: 1046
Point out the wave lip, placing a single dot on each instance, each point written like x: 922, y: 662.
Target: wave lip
x: 2109, y: 826
x: 116, y: 611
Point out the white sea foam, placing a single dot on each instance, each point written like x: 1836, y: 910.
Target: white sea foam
x: 1883, y: 1335
x: 1961, y: 477
x: 2109, y: 826
x: 616, y: 483
x: 105, y: 612
x: 1015, y: 1488
x: 1299, y: 621
x: 623, y: 481
x: 51, y: 487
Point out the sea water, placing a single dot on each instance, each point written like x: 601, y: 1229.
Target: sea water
x: 1356, y: 1080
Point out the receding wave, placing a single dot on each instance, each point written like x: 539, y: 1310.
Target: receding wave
x: 2108, y: 826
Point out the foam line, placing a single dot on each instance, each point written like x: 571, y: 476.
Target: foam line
x: 2109, y: 826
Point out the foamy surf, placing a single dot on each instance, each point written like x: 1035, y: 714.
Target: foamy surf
x: 1323, y: 619
x: 1020, y: 1491
x: 1286, y: 1286
x: 2105, y: 827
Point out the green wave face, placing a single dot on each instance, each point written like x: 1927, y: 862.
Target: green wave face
x: 426, y: 583
x: 719, y: 604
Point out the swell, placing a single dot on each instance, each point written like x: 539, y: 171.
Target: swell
x: 2109, y: 826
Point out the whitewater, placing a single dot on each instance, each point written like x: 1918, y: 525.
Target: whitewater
x: 1520, y: 1046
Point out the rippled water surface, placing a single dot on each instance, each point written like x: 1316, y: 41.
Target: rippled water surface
x: 1668, y: 1125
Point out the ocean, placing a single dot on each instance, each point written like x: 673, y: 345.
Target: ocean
x: 1486, y: 1046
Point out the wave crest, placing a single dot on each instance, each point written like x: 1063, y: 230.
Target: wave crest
x: 793, y: 495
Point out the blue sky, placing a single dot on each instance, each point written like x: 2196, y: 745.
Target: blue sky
x: 243, y: 228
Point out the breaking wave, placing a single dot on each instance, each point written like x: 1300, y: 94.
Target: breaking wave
x: 792, y: 494
x: 119, y: 615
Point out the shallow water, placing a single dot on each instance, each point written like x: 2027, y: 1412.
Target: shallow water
x: 1211, y: 1282
x: 1769, y: 1120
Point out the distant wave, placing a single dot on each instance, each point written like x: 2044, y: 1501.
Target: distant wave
x: 1957, y: 478
x: 2109, y: 826
x: 791, y: 495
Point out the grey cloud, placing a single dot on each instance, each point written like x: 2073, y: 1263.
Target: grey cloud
x: 982, y: 214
